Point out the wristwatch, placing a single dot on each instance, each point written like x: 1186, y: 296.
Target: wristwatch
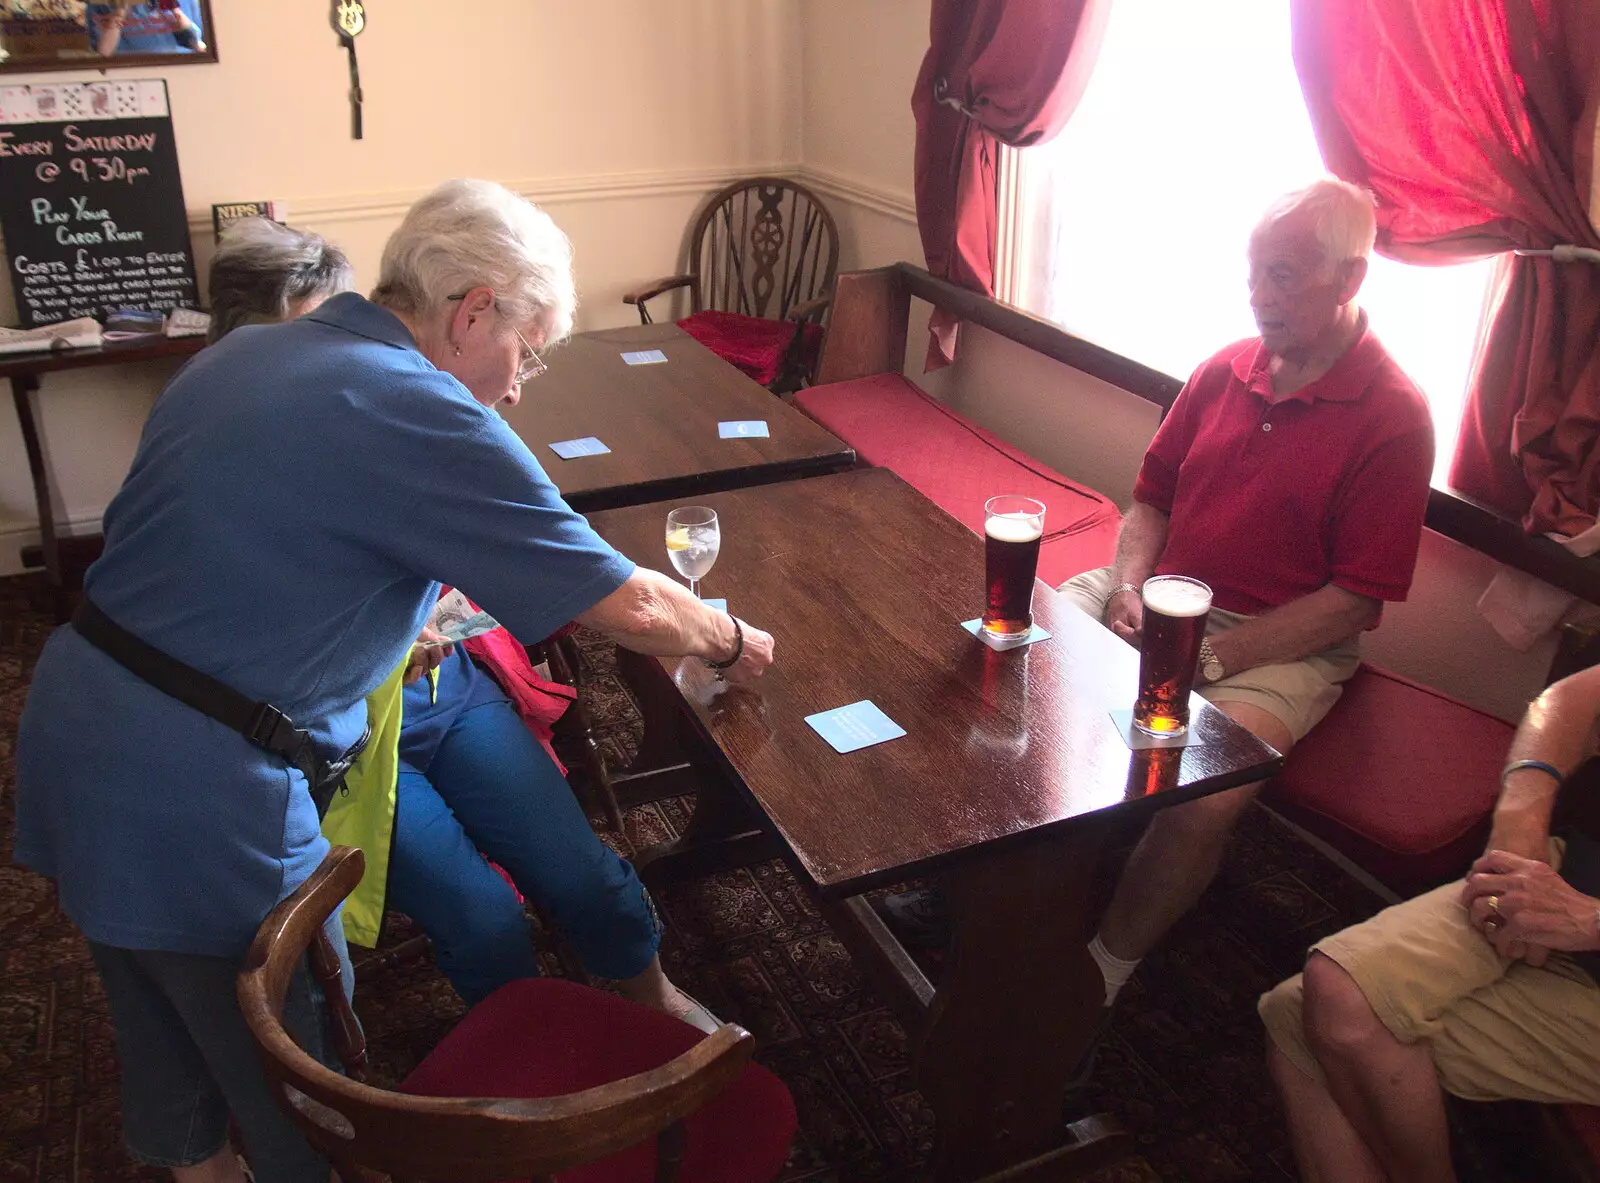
x: 1210, y: 668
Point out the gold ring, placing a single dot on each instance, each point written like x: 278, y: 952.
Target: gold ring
x: 1494, y: 904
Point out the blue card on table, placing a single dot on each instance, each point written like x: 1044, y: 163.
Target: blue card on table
x: 859, y: 725
x: 644, y: 357
x: 572, y: 449
x: 718, y: 603
x: 743, y: 429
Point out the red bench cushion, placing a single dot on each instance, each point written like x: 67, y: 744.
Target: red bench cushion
x: 544, y: 1038
x: 1584, y: 1121
x: 1399, y: 778
x: 958, y: 466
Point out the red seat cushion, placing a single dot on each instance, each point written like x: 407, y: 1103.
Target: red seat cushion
x: 542, y: 1038
x: 958, y: 466
x: 1585, y: 1123
x: 751, y: 343
x: 1398, y: 777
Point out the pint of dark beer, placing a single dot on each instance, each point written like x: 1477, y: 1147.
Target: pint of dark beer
x: 1175, y: 611
x: 1012, y: 527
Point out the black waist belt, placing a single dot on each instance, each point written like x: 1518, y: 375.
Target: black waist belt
x: 259, y: 722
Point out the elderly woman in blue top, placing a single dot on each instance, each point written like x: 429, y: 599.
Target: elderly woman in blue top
x: 299, y: 493
x: 469, y: 775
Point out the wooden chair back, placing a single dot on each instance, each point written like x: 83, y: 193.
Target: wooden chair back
x: 762, y: 247
x: 368, y: 1132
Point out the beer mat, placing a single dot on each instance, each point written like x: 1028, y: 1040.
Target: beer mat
x: 1137, y: 740
x: 645, y: 357
x: 572, y: 449
x: 718, y: 603
x: 975, y: 627
x: 734, y: 429
x: 859, y: 725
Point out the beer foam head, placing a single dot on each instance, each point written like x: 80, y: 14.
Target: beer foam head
x: 1177, y: 597
x: 1013, y: 527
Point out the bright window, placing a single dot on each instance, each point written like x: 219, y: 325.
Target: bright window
x: 1134, y: 220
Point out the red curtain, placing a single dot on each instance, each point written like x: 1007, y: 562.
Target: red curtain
x: 1473, y: 122
x: 996, y: 71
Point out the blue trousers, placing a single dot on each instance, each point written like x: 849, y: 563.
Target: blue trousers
x: 188, y: 1060
x: 483, y: 785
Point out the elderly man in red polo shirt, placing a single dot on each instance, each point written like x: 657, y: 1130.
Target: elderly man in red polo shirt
x: 1290, y: 476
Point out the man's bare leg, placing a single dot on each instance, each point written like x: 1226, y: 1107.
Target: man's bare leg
x: 1327, y: 1148
x: 1178, y: 856
x: 1387, y: 1090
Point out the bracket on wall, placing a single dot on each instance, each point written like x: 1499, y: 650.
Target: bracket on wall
x: 349, y: 19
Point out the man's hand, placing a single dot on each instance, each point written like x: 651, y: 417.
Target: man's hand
x: 1125, y: 616
x: 1526, y: 909
x: 427, y: 654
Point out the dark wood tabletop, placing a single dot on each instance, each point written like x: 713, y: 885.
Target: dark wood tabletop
x: 863, y: 584
x: 660, y: 421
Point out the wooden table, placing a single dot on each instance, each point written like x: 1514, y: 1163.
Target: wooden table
x: 660, y: 422
x: 1004, y: 787
x: 24, y: 370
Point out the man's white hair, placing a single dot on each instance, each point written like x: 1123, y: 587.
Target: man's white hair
x: 1344, y: 217
x: 468, y: 234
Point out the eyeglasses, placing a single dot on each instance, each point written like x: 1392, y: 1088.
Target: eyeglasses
x: 530, y: 365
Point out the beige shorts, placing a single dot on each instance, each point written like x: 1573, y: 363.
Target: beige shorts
x: 1296, y: 693
x: 1500, y: 1030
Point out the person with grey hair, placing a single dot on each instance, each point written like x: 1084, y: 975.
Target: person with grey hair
x: 265, y: 272
x: 1290, y: 476
x: 299, y: 495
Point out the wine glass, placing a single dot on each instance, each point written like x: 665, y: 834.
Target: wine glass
x: 693, y: 540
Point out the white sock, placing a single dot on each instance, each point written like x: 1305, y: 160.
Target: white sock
x: 1114, y: 970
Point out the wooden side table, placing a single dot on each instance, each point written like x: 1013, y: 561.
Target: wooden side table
x: 24, y: 370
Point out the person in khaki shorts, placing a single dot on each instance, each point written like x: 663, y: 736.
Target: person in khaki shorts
x: 1481, y: 988
x: 1290, y: 476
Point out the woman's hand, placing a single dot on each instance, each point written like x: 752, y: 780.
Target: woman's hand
x: 427, y: 654
x: 1526, y: 909
x: 757, y: 655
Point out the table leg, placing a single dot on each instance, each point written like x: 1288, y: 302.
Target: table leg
x: 23, y: 388
x: 723, y: 833
x: 1016, y: 1007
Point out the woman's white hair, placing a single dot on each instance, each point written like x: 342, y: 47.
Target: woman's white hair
x: 468, y: 234
x: 1344, y: 217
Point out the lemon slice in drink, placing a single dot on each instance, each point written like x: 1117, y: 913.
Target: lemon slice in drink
x: 678, y: 539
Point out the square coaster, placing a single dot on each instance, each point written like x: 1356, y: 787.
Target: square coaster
x: 644, y: 357
x: 999, y: 645
x: 1137, y: 740
x: 572, y: 449
x: 735, y: 429
x: 859, y: 725
x: 717, y: 602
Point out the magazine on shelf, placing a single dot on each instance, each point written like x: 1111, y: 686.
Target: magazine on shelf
x: 68, y: 334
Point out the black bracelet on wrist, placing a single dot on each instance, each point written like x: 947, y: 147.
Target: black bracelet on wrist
x: 738, y: 648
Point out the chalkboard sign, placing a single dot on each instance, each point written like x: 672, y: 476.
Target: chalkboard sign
x: 91, y: 205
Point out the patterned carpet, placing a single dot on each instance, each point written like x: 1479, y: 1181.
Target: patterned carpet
x: 1182, y: 1067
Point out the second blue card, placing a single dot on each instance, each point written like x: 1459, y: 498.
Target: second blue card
x: 859, y: 725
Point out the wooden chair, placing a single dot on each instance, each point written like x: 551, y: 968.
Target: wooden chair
x: 762, y: 258
x: 543, y: 1078
x: 561, y: 656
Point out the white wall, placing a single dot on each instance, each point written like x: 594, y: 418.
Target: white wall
x: 619, y: 116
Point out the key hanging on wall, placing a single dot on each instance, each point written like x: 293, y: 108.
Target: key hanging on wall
x: 349, y: 19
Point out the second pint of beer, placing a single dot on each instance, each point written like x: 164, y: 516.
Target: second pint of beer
x: 1012, y: 528
x: 1175, y: 611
